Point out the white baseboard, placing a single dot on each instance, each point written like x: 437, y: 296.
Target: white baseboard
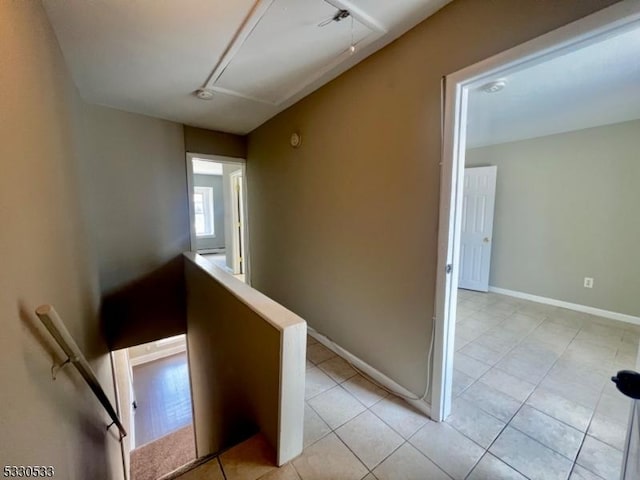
x: 376, y: 375
x: 621, y: 317
x: 157, y: 355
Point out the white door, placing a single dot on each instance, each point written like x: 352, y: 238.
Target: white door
x: 479, y: 198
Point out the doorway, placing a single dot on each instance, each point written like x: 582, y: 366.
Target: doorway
x: 567, y: 388
x: 217, y: 211
x: 154, y: 398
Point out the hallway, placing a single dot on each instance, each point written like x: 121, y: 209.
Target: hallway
x: 533, y: 400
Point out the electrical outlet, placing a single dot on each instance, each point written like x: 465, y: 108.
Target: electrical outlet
x: 588, y: 282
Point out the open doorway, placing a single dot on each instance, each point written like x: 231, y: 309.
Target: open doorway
x: 217, y: 204
x: 154, y: 398
x: 526, y: 342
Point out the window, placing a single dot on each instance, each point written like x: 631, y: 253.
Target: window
x: 203, y: 208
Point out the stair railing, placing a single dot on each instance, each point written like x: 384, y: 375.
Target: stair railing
x: 53, y: 323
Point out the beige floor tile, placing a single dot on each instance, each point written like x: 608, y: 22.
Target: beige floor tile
x: 318, y: 353
x: 208, y: 471
x: 489, y: 319
x: 481, y: 353
x: 523, y: 366
x: 399, y: 415
x: 502, y: 307
x: 608, y: 431
x: 407, y: 463
x: 369, y: 438
x: 508, y: 384
x: 589, y: 353
x: 600, y: 458
x: 286, y: 472
x: 522, y: 322
x: 329, y: 458
x: 532, y: 312
x: 317, y: 382
x: 370, y: 476
x: 495, y: 403
x: 500, y: 340
x: 616, y: 407
x: 539, y: 349
x: 479, y: 426
x: 470, y: 329
x: 249, y: 460
x: 367, y: 392
x: 461, y: 381
x: 314, y: 427
x: 585, y: 395
x: 581, y: 473
x: 469, y: 366
x: 552, y: 433
x: 529, y: 457
x: 336, y: 406
x: 338, y: 369
x: 560, y: 408
x: 593, y: 376
x: 447, y: 448
x: 460, y: 342
x: 491, y: 468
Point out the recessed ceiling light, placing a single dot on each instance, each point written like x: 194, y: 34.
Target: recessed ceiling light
x: 493, y: 87
x: 204, y: 94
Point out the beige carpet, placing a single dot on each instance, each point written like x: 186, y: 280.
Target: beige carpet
x: 155, y: 459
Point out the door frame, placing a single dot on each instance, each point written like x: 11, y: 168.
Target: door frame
x: 190, y: 190
x: 612, y: 20
x: 237, y: 213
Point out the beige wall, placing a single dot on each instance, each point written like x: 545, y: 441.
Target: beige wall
x: 135, y: 183
x: 134, y: 189
x: 200, y: 140
x: 566, y: 208
x: 344, y: 229
x: 45, y: 259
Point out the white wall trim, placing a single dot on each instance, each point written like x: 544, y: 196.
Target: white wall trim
x: 157, y: 355
x: 622, y: 317
x: 375, y: 374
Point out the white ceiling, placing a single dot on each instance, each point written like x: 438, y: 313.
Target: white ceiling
x: 258, y: 56
x: 596, y: 85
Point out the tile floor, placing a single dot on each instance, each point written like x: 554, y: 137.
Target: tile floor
x: 532, y: 400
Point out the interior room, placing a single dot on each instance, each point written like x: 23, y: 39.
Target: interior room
x: 318, y: 312
x: 154, y: 395
x: 546, y: 312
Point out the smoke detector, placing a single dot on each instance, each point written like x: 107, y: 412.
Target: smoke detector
x: 493, y: 87
x: 204, y: 94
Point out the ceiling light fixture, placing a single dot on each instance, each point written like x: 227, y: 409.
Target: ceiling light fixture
x: 204, y: 94
x: 493, y: 87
